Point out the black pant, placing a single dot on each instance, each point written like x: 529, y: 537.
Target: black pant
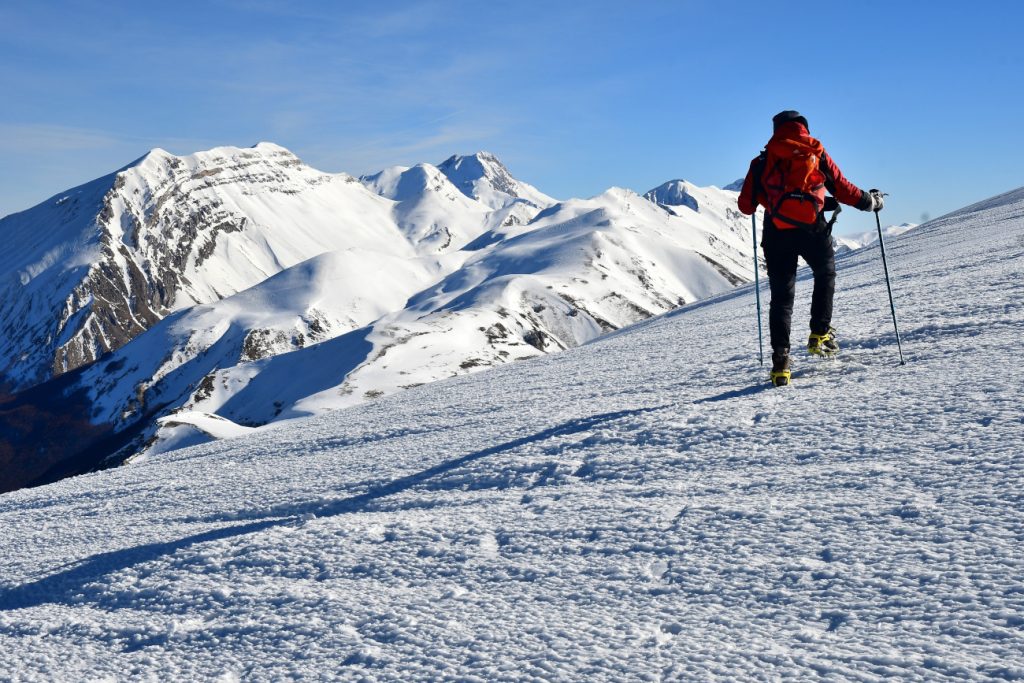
x: 781, y: 249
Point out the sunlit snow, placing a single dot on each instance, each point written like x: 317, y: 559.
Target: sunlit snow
x: 642, y: 507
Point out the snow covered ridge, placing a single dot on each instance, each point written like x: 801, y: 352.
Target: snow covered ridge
x: 92, y: 268
x: 640, y: 508
x: 244, y: 284
x: 847, y: 243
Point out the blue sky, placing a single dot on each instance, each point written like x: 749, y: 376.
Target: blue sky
x: 921, y: 99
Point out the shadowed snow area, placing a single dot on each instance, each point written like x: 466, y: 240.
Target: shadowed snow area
x: 639, y: 508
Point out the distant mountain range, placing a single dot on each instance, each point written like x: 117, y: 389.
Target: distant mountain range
x: 182, y: 299
x: 846, y: 243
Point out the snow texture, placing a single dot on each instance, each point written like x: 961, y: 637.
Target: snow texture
x: 642, y: 507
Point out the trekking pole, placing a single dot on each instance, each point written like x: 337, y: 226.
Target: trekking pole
x: 757, y: 291
x: 892, y: 306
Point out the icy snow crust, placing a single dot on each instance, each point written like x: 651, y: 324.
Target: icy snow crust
x: 639, y: 508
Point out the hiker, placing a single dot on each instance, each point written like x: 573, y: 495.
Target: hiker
x: 789, y: 179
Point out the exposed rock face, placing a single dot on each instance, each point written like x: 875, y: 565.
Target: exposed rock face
x: 123, y: 252
x: 141, y: 271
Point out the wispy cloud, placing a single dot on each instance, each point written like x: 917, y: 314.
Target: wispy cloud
x: 48, y: 139
x: 433, y: 141
x: 41, y: 137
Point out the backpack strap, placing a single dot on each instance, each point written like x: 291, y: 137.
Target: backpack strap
x: 835, y: 215
x: 830, y: 185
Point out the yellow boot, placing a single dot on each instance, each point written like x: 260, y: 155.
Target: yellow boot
x: 780, y: 373
x: 824, y: 344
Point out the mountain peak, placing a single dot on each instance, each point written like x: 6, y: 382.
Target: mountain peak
x: 464, y: 170
x: 155, y: 155
x: 481, y: 158
x: 483, y: 177
x: 265, y: 146
x: 674, y: 193
x: 404, y: 183
x: 215, y: 155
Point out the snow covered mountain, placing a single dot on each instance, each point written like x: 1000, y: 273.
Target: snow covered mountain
x: 91, y: 268
x: 242, y: 285
x: 580, y: 269
x: 482, y: 177
x: 458, y: 201
x: 846, y: 243
x: 642, y: 507
x: 430, y: 211
x: 674, y: 193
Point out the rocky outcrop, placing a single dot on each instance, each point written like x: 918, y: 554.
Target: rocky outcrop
x: 116, y: 256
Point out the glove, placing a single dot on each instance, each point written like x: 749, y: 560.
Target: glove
x: 876, y: 200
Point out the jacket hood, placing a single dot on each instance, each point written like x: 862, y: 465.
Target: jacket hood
x: 790, y: 130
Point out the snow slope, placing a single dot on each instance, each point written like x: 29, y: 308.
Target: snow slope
x: 321, y: 298
x: 430, y: 210
x: 638, y: 508
x: 90, y: 269
x: 581, y: 268
x: 450, y: 280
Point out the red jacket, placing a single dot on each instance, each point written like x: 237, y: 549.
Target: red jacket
x: 843, y: 190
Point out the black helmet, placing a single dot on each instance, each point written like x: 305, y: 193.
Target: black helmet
x: 787, y: 116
